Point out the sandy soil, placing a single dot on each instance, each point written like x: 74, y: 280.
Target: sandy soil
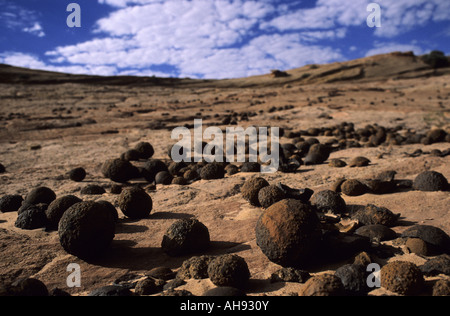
x: 48, y: 129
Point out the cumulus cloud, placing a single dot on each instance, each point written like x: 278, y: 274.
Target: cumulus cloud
x: 19, y: 59
x: 16, y: 17
x: 401, y: 16
x: 234, y: 38
x: 36, y: 29
x: 198, y: 38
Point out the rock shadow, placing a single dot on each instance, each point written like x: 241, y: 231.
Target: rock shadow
x: 225, y: 247
x: 123, y: 255
x: 124, y: 228
x: 169, y: 215
x: 256, y: 286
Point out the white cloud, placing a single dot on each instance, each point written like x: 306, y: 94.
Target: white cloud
x: 231, y: 38
x: 21, y: 60
x: 16, y: 17
x: 30, y: 61
x: 402, y: 16
x: 124, y: 3
x: 36, y: 29
x: 198, y: 38
x: 397, y: 16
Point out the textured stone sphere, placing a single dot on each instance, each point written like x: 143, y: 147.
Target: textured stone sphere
x: 86, y: 230
x: 250, y: 190
x: 185, y: 236
x: 135, y: 203
x: 288, y: 232
x: 402, y: 277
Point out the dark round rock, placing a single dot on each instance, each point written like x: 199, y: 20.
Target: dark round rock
x: 191, y: 175
x: 436, y: 265
x: 288, y: 232
x: 153, y: 166
x: 212, y: 171
x: 328, y: 200
x: 372, y: 215
x: 387, y: 175
x: 359, y: 162
x: 145, y: 150
x: 93, y: 189
x: 26, y: 206
x: 231, y: 169
x: 229, y: 270
x: 111, y: 290
x: 56, y: 209
x: 402, y: 277
x: 353, y: 277
x: 250, y: 167
x: 290, y: 275
x: 336, y: 186
x: 250, y: 190
x: 317, y: 154
x: 337, y: 163
x: 149, y: 286
x: 115, y: 189
x: 436, y: 135
x: 363, y: 259
x: 224, y: 291
x: 303, y: 147
x: 77, y: 174
x: 163, y: 177
x: 86, y: 230
x: 10, y: 203
x: 130, y: 155
x: 29, y: 287
x: 163, y: 273
x: 376, y: 232
x: 179, y: 181
x: 2, y: 168
x: 32, y: 218
x: 441, y: 288
x: 185, y: 236
x: 313, y: 159
x: 119, y: 170
x: 377, y: 186
x: 176, y: 167
x: 430, y: 181
x: 417, y: 246
x: 353, y: 187
x: 323, y: 285
x: 437, y: 240
x: 40, y: 195
x: 172, y: 284
x: 195, y: 268
x: 110, y: 208
x: 135, y: 203
x: 270, y: 195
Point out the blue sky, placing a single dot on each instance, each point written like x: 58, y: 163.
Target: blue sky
x: 212, y: 38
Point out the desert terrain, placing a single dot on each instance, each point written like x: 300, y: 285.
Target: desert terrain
x: 52, y: 123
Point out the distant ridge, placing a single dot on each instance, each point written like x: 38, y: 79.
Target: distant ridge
x: 394, y: 66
